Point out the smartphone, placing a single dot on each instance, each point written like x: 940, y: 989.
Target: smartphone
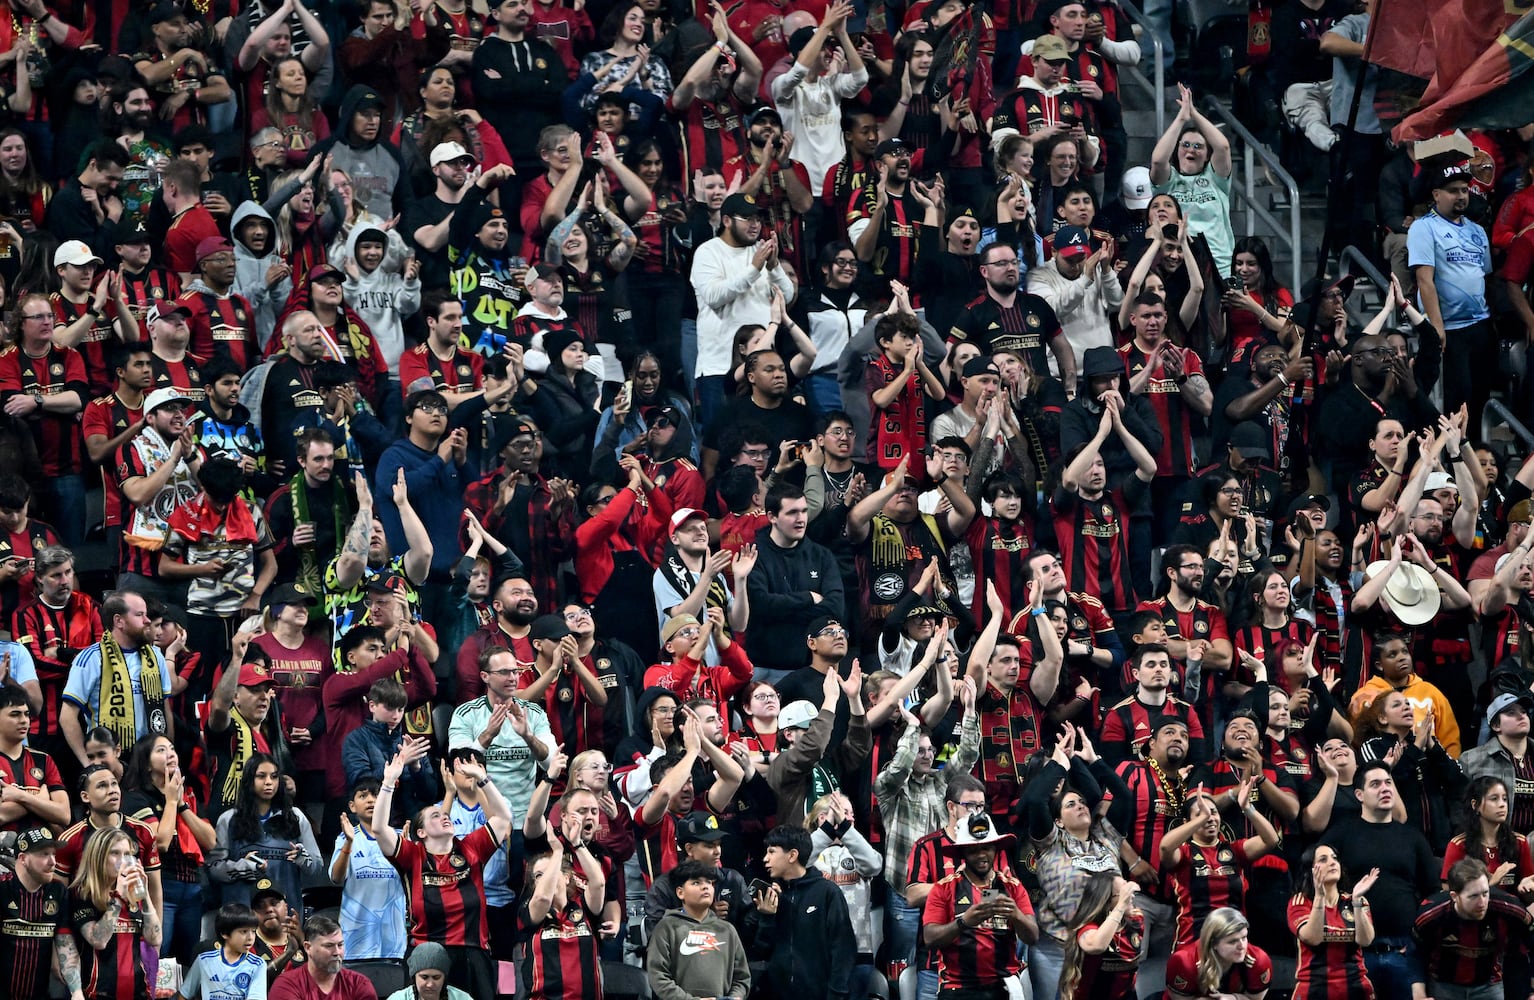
x: 990, y: 895
x: 1234, y: 285
x: 759, y: 887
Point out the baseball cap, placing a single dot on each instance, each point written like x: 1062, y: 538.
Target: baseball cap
x: 39, y: 838
x: 684, y: 515
x: 819, y: 623
x: 167, y: 308
x: 674, y: 625
x: 162, y: 12
x: 1250, y: 441
x: 129, y: 232
x: 742, y: 206
x: 75, y: 252
x: 767, y: 110
x: 254, y: 675
x: 1135, y: 190
x: 699, y: 826
x: 163, y: 397
x: 262, y: 895
x: 389, y: 583
x: 1319, y: 286
x: 292, y: 593
x: 1440, y: 481
x: 1305, y: 501
x: 1072, y: 241
x: 548, y: 272
x: 211, y: 246
x: 797, y: 715
x: 548, y: 627
x: 1520, y: 513
x: 1050, y: 48
x: 1502, y: 703
x: 981, y: 365
x: 447, y: 152
x: 896, y: 147
x: 319, y: 271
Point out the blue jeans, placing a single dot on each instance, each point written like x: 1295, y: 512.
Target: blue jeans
x: 1159, y: 14
x: 711, y: 397
x: 182, y: 920
x: 689, y: 352
x: 926, y: 985
x: 66, y: 507
x: 1392, y: 965
x: 1046, y: 961
x: 902, y: 922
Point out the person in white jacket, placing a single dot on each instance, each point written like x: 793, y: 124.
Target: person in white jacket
x: 1080, y: 286
x: 849, y: 861
x: 809, y: 96
x: 733, y: 276
x: 382, y: 297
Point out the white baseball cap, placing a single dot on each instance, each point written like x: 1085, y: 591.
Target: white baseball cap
x: 446, y: 152
x: 1136, y: 190
x: 76, y: 252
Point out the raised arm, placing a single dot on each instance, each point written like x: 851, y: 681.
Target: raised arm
x: 411, y: 751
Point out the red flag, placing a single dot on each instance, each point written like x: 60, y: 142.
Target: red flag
x: 1492, y: 92
x: 1461, y: 35
x: 1405, y: 44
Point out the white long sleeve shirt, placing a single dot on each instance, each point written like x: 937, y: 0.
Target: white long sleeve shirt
x: 732, y: 293
x: 1082, y: 305
x: 812, y: 111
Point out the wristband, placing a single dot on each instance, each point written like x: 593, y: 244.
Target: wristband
x: 1284, y: 381
x: 1039, y: 612
x: 387, y: 788
x: 1180, y: 380
x: 482, y: 782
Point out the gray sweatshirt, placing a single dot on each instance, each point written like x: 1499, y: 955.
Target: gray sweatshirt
x: 697, y: 958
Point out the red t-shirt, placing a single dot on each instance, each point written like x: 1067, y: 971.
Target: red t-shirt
x: 187, y: 230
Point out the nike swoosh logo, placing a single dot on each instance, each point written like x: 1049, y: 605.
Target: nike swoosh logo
x: 689, y: 949
x: 810, y: 910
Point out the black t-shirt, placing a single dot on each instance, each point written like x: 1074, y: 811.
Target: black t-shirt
x: 791, y: 421
x: 428, y: 211
x: 1400, y: 852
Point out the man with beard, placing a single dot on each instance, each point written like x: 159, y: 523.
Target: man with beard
x: 1446, y: 658
x: 429, y: 218
x: 518, y: 81
x: 133, y: 116
x: 712, y: 96
x: 978, y: 913
x: 1264, y: 399
x: 347, y: 338
x: 440, y: 363
x: 781, y: 185
x: 787, y: 422
x: 1373, y: 839
x: 102, y: 796
x: 1157, y: 790
x: 691, y: 579
x: 513, y: 735
x: 1382, y: 386
x: 191, y: 222
x: 175, y: 367
x: 323, y: 976
x: 290, y: 397
x: 883, y: 219
x: 181, y: 75
x: 308, y: 513
x: 734, y: 276
x: 516, y: 607
x: 479, y: 252
x: 896, y: 541
x: 222, y: 322
x: 54, y: 627
x: 125, y: 658
x: 532, y: 516
x: 1198, y: 634
x: 1006, y: 318
x: 36, y: 938
x: 560, y: 680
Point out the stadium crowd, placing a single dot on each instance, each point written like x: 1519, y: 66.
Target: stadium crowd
x: 769, y: 496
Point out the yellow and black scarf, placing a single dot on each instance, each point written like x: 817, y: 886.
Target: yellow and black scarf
x: 684, y: 579
x: 310, y: 574
x: 115, y: 706
x: 245, y: 740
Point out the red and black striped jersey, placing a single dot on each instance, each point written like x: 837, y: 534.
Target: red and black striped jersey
x: 929, y: 865
x: 445, y: 893
x: 31, y: 919
x: 1205, y: 879
x: 222, y: 327
x: 1011, y: 731
x: 981, y: 956
x: 1333, y: 969
x: 93, y: 346
x: 1027, y: 326
x: 1252, y: 976
x: 31, y: 769
x: 463, y: 372
x: 54, y: 636
x: 142, y: 290
x: 563, y: 960
x: 1111, y: 974
x: 109, y: 416
x: 1202, y: 621
x: 73, y: 840
x: 1128, y: 726
x: 999, y: 552
x: 1260, y: 641
x: 1491, y: 855
x: 185, y: 375
x: 117, y: 970
x: 1155, y: 807
x: 1174, y: 416
x: 1463, y: 952
x: 1094, y: 542
x: 60, y: 445
x: 712, y: 131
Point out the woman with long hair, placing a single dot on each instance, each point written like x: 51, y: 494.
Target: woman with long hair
x: 308, y: 215
x: 1222, y: 962
x: 1076, y: 840
x: 112, y: 914
x: 1333, y: 928
x: 154, y: 791
x: 1208, y: 871
x: 24, y: 195
x: 596, y: 290
x: 662, y: 258
x: 1102, y: 951
x: 1488, y: 837
x: 627, y: 58
x: 1256, y: 305
x: 1009, y: 217
x: 293, y: 108
x: 264, y: 836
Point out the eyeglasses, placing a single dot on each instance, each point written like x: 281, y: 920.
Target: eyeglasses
x: 690, y: 632
x: 831, y: 632
x: 1197, y: 565
x: 501, y: 673
x: 765, y: 696
x: 432, y: 409
x: 844, y: 262
x: 1231, y: 491
x: 1004, y: 262
x: 577, y: 613
x: 38, y: 316
x: 756, y: 452
x: 1431, y: 518
x: 596, y: 767
x: 270, y: 144
x: 838, y: 432
x: 974, y: 807
x: 1192, y: 145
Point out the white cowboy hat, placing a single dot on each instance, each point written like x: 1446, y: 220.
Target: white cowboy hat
x: 1410, y: 593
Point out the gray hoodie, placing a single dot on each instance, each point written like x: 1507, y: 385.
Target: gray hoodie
x: 266, y: 302
x: 697, y: 958
x: 382, y: 298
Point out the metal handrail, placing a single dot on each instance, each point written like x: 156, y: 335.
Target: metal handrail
x: 1353, y: 255
x: 1513, y: 423
x: 1253, y: 149
x: 1158, y: 89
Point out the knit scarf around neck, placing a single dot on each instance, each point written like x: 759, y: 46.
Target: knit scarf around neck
x: 115, y: 702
